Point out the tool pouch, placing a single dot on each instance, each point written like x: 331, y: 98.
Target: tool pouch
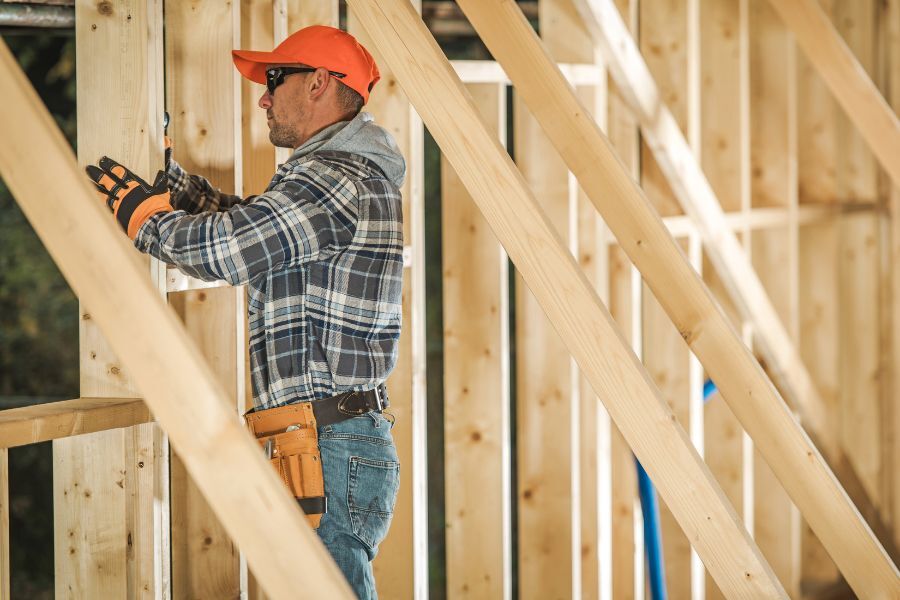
x: 289, y: 438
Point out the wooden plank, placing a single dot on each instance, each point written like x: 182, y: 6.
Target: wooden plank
x: 666, y: 359
x: 179, y: 387
x: 303, y: 13
x: 773, y: 154
x: 113, y: 504
x: 476, y: 384
x: 204, y: 559
x: 45, y: 422
x: 846, y: 77
x: 203, y: 98
x: 703, y: 325
x: 565, y: 295
x: 664, y: 41
x: 401, y: 568
x: 258, y: 164
x: 627, y: 549
x: 822, y: 162
x: 88, y: 549
x: 860, y: 329
x: 819, y: 341
x: 545, y: 394
x: 569, y: 42
x: 724, y: 157
x: 488, y: 71
x: 859, y: 349
x: 4, y: 524
x: 257, y: 153
x: 625, y: 569
x: 744, y: 221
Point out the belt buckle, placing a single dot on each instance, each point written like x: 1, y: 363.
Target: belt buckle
x: 351, y: 412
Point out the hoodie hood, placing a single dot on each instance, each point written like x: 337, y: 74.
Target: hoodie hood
x: 360, y: 136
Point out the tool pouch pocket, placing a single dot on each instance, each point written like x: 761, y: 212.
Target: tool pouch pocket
x: 288, y: 437
x: 296, y: 459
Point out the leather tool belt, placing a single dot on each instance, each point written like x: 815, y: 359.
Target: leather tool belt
x: 289, y: 437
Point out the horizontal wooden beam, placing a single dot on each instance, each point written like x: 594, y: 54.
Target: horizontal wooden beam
x: 568, y: 298
x: 489, y: 71
x: 754, y: 219
x: 55, y: 420
x: 101, y: 265
x: 700, y: 320
x: 846, y: 78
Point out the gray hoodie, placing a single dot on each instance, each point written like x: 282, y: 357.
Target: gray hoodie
x: 360, y: 136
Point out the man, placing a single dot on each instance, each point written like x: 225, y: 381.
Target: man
x: 321, y: 253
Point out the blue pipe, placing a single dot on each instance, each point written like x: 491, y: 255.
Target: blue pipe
x: 652, y: 534
x: 652, y: 531
x: 709, y: 388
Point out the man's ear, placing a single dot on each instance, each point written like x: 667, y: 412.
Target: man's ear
x: 319, y: 81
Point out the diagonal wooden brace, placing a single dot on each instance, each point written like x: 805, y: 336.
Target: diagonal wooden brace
x: 846, y: 78
x: 702, y: 323
x: 696, y: 196
x: 570, y: 302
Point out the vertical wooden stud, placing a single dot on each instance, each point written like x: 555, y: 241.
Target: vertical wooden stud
x: 257, y: 153
x: 665, y: 43
x: 627, y: 545
x: 819, y: 324
x: 724, y: 155
x: 545, y: 392
x: 626, y: 561
x: 568, y: 41
x: 860, y: 329
x: 203, y: 101
x: 773, y: 154
x: 110, y: 533
x: 401, y: 567
x: 476, y: 384
x: 258, y: 165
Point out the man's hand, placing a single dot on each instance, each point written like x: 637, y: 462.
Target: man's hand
x: 131, y: 199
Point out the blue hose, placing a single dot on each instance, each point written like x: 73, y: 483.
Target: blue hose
x: 652, y: 535
x: 652, y: 531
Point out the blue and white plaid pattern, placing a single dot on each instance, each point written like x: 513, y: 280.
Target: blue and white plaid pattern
x: 321, y: 252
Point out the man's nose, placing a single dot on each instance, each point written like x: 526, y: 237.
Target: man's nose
x: 265, y: 101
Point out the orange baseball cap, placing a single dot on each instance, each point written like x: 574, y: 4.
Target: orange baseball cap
x: 315, y: 46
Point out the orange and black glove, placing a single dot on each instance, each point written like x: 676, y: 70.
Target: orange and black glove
x: 131, y: 199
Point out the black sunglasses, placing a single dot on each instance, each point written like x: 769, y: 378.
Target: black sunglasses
x: 275, y: 75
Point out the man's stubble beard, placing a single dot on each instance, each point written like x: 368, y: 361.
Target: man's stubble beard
x: 281, y: 136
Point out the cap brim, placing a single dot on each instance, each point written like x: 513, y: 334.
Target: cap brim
x: 252, y: 64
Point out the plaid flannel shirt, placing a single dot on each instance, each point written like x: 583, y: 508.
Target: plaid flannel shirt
x: 321, y: 252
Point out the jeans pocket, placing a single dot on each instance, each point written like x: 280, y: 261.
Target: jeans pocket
x: 371, y: 495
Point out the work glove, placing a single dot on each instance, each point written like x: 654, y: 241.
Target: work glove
x: 131, y: 199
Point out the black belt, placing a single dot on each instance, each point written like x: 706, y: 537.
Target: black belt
x: 348, y: 405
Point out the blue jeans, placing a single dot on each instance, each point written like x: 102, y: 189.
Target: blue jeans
x: 362, y: 476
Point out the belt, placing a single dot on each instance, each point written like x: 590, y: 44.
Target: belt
x: 326, y: 411
x: 348, y: 405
